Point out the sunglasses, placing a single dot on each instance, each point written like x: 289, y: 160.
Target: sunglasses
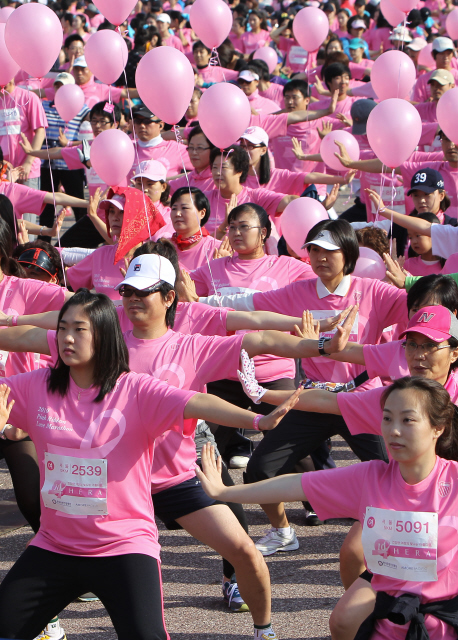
x: 128, y: 292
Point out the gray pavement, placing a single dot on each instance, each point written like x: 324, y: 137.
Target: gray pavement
x: 305, y: 583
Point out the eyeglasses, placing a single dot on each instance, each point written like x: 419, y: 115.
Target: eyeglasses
x: 243, y: 228
x: 128, y: 292
x: 427, y: 348
x: 197, y: 149
x: 102, y: 123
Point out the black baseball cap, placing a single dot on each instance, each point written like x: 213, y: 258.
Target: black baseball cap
x: 39, y: 258
x: 359, y: 112
x: 427, y: 180
x: 142, y: 112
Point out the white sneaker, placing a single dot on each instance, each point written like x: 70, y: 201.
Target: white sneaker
x: 238, y: 462
x: 275, y: 541
x: 52, y: 631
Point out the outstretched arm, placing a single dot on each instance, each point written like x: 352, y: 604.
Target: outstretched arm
x: 283, y: 488
x: 25, y: 338
x: 46, y: 320
x: 412, y: 224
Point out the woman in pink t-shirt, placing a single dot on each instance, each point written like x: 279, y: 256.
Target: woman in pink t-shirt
x: 258, y: 36
x: 94, y: 424
x: 199, y: 148
x: 407, y: 509
x: 190, y: 211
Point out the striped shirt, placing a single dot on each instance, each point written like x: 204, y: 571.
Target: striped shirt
x: 52, y: 131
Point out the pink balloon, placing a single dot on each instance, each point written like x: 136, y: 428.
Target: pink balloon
x: 268, y: 55
x: 310, y: 28
x: 106, y: 55
x: 5, y: 13
x: 394, y: 130
x: 69, y: 101
x: 165, y: 82
x: 224, y: 114
x: 211, y: 21
x: 297, y: 219
x: 391, y: 13
x: 451, y: 24
x: 328, y: 148
x: 33, y: 35
x: 446, y: 114
x: 393, y: 75
x: 369, y: 265
x: 405, y: 5
x: 8, y: 68
x: 425, y: 57
x: 112, y: 156
x: 115, y: 11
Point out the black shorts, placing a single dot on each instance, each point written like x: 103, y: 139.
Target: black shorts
x: 179, y: 501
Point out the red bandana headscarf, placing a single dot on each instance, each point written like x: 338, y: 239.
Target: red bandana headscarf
x: 134, y: 224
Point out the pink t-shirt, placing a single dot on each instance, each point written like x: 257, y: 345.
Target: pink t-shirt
x: 171, y: 153
x: 202, y: 181
x: 173, y: 41
x: 263, y: 106
x: 94, y: 92
x: 236, y: 41
x: 376, y: 37
x: 24, y: 199
x: 269, y: 200
x: 296, y: 56
x: 198, y: 254
x: 20, y: 112
x: 418, y: 267
x: 275, y: 93
x: 233, y: 275
x: 122, y: 430
x: 281, y: 181
x: 253, y: 41
x: 451, y: 265
x: 187, y: 362
x: 98, y: 272
x: 427, y: 111
x: 217, y: 74
x: 273, y: 125
x: 387, y: 360
x: 381, y: 305
x: 381, y: 485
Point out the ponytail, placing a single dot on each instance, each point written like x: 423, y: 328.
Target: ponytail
x: 441, y: 411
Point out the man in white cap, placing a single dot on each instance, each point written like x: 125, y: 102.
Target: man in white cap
x: 164, y: 21
x: 413, y: 49
x: 439, y: 82
x: 443, y: 53
x: 248, y: 82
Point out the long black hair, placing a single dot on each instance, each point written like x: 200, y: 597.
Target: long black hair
x: 8, y: 264
x: 441, y: 411
x: 110, y: 358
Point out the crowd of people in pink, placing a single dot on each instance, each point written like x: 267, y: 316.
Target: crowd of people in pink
x: 178, y: 272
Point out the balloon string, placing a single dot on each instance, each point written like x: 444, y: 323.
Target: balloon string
x: 55, y: 206
x: 215, y: 61
x: 382, y: 184
x: 136, y: 151
x: 393, y: 193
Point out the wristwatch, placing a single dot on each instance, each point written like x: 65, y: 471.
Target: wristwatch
x: 321, y: 343
x: 2, y: 432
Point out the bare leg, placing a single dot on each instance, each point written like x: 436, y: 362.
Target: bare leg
x: 217, y: 527
x: 352, y: 609
x: 276, y: 514
x: 352, y: 556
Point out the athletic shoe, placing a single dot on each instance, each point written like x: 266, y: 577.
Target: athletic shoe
x: 88, y: 597
x: 52, y: 631
x: 238, y: 462
x: 269, y: 634
x: 311, y: 519
x: 233, y: 598
x: 274, y: 541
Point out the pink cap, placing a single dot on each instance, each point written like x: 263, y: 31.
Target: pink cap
x: 359, y: 24
x: 117, y: 201
x: 151, y: 169
x: 436, y: 322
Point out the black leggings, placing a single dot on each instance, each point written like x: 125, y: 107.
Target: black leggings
x: 22, y: 461
x: 42, y: 583
x: 297, y: 435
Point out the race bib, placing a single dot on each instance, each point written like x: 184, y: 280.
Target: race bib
x: 10, y: 121
x: 401, y: 544
x: 328, y: 313
x: 298, y: 55
x: 76, y: 486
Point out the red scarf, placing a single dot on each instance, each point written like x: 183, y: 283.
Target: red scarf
x: 134, y: 224
x: 185, y: 243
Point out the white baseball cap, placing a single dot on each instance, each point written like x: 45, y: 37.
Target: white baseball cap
x: 402, y: 34
x: 325, y: 240
x: 80, y: 62
x: 151, y: 169
x: 64, y: 78
x: 417, y: 44
x: 148, y: 270
x: 359, y: 24
x: 248, y: 75
x: 164, y: 17
x: 256, y: 135
x: 117, y: 201
x: 443, y: 44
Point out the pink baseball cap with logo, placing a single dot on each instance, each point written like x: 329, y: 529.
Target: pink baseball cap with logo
x: 437, y: 323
